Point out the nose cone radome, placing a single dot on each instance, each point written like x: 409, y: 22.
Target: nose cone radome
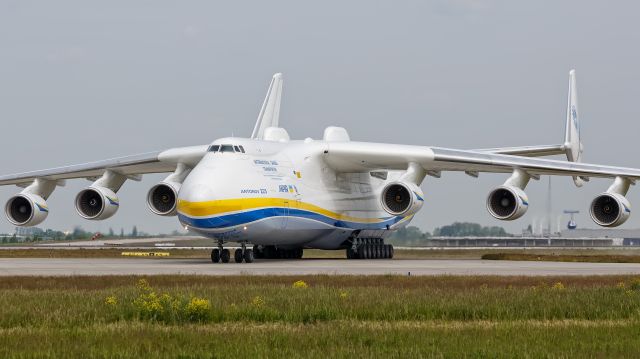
x: 193, y: 194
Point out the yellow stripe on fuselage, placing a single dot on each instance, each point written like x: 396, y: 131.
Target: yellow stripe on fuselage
x: 223, y: 206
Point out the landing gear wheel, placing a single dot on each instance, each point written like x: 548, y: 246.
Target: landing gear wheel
x: 258, y: 252
x: 385, y: 251
x: 390, y: 251
x: 225, y: 255
x: 248, y: 255
x: 215, y: 255
x: 237, y: 255
x: 269, y: 252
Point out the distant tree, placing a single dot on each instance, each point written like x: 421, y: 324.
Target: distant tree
x: 134, y: 231
x: 410, y: 235
x: 111, y: 234
x: 121, y: 232
x: 466, y: 229
x: 79, y: 233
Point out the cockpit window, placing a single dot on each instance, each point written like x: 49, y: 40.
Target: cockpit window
x: 236, y: 148
x: 241, y: 149
x: 226, y: 148
x: 214, y: 148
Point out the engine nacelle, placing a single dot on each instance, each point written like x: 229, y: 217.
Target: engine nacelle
x: 26, y: 210
x: 402, y: 198
x: 96, y: 203
x: 610, y: 209
x: 507, y: 203
x: 162, y: 198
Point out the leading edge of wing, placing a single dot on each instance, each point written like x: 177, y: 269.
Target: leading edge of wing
x: 451, y: 159
x: 363, y: 156
x: 149, y: 162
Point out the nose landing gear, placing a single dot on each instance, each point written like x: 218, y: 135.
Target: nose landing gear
x: 223, y: 255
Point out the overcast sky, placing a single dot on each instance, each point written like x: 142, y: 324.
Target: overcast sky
x: 88, y: 80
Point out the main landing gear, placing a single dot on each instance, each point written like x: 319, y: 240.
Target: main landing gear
x: 272, y: 252
x: 369, y: 248
x: 223, y: 255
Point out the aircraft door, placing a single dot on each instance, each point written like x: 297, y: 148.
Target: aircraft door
x: 285, y: 214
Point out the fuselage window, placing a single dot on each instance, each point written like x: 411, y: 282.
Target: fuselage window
x: 226, y: 148
x: 214, y: 148
x: 241, y: 149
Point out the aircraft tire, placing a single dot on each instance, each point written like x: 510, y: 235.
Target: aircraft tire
x: 270, y: 252
x: 367, y: 251
x: 390, y: 251
x: 237, y: 255
x: 248, y: 255
x: 385, y: 250
x: 257, y: 253
x: 215, y: 255
x: 225, y: 255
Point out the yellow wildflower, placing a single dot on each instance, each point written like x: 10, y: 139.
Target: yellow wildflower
x: 344, y: 294
x: 111, y: 300
x: 257, y: 301
x: 143, y: 285
x: 198, y: 308
x: 558, y: 286
x: 300, y: 284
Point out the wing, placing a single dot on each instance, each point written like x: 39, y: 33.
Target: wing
x: 527, y: 151
x: 130, y: 166
x: 359, y: 156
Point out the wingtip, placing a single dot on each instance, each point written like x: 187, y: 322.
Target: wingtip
x: 572, y: 72
x: 277, y: 75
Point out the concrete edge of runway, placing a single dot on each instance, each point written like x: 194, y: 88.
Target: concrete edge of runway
x: 203, y: 266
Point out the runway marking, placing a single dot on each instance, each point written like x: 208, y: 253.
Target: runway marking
x: 140, y: 266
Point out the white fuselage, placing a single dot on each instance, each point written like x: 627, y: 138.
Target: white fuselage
x: 282, y: 193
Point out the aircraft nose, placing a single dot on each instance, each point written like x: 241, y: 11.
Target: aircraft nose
x: 191, y: 194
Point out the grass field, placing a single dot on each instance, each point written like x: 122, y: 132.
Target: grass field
x: 326, y: 316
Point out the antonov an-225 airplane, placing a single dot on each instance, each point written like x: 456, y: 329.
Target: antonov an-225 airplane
x: 281, y: 195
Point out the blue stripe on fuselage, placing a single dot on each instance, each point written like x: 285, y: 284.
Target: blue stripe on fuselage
x: 237, y: 219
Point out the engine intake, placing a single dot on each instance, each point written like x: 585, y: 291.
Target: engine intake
x: 26, y: 210
x: 161, y: 199
x: 96, y: 203
x: 402, y: 198
x: 507, y: 203
x: 610, y: 209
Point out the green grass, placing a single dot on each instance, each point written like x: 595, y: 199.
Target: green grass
x: 564, y: 257
x: 336, y: 316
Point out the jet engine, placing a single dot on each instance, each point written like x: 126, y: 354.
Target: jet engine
x: 26, y: 209
x: 402, y: 198
x: 96, y: 203
x: 507, y: 203
x: 162, y: 198
x: 610, y: 209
